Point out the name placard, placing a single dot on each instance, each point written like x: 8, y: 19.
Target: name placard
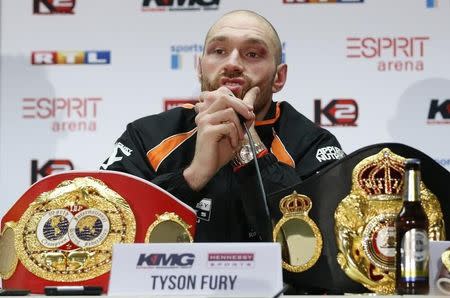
x: 206, y: 269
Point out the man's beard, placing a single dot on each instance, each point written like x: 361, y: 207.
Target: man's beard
x: 260, y: 102
x: 207, y: 85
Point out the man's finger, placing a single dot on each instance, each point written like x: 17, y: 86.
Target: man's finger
x: 251, y: 96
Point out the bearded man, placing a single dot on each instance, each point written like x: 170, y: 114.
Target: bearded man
x: 201, y: 155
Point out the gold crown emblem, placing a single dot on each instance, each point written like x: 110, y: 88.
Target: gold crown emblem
x: 295, y: 203
x: 381, y: 174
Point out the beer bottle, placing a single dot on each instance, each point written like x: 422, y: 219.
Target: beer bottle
x: 412, y: 245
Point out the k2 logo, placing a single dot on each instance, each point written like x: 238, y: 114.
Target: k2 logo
x: 435, y: 108
x: 52, y: 166
x: 338, y: 112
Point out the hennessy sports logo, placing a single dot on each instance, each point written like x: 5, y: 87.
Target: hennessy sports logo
x: 439, y: 108
x: 161, y: 260
x: 338, y: 112
x: 53, y: 6
x: 231, y: 260
x: 179, y: 5
x: 52, y: 166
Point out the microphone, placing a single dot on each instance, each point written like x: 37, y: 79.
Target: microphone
x: 266, y: 234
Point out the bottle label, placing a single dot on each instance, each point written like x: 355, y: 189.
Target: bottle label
x: 414, y: 253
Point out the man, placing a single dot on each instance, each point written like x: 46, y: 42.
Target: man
x: 201, y: 155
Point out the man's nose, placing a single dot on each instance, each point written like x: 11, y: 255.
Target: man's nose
x: 234, y: 62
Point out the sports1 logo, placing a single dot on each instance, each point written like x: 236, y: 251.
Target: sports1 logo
x: 338, y: 112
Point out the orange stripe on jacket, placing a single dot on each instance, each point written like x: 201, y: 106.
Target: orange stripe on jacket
x: 270, y: 121
x: 280, y: 152
x: 157, y: 155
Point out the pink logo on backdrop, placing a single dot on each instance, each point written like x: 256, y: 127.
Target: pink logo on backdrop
x: 65, y: 114
x: 396, y: 54
x: 53, y: 6
x: 170, y: 103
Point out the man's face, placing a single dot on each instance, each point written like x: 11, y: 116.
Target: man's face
x: 240, y: 54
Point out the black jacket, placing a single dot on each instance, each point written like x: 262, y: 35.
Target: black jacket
x: 230, y: 207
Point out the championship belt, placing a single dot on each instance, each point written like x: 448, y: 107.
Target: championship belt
x: 339, y: 222
x: 365, y: 221
x: 61, y: 231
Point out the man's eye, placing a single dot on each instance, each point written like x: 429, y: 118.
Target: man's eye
x: 219, y: 51
x: 252, y: 55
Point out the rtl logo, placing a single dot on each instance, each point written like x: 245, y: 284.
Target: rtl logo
x: 52, y: 166
x: 70, y: 57
x: 53, y: 6
x: 163, y: 260
x: 179, y: 5
x: 338, y: 112
x: 442, y: 109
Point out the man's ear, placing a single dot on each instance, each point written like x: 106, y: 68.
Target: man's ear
x: 199, y: 68
x: 280, y: 78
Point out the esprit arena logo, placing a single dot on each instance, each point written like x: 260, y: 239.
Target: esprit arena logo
x: 179, y: 5
x: 64, y: 114
x: 53, y: 6
x: 389, y: 53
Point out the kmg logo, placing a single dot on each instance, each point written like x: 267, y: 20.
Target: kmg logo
x: 338, y: 112
x: 179, y: 5
x: 165, y: 260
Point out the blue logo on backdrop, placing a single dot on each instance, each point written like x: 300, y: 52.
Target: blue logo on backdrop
x: 431, y: 3
x: 181, y: 53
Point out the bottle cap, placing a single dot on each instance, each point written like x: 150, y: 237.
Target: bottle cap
x: 412, y: 164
